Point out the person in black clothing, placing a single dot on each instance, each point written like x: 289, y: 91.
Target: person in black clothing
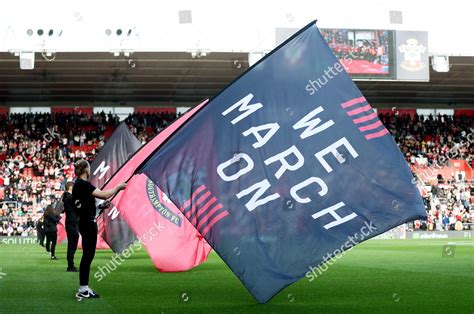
x: 51, y: 231
x: 83, y: 195
x: 40, y: 232
x: 71, y: 226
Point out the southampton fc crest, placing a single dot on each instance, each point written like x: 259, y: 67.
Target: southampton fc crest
x: 412, y: 52
x: 161, y: 203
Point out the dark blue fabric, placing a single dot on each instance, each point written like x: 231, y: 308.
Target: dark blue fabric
x: 276, y: 243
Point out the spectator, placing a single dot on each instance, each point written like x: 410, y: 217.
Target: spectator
x: 37, y: 152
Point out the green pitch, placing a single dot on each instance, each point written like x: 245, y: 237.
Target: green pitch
x: 377, y: 276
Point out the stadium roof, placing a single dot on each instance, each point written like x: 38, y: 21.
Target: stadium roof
x: 176, y: 78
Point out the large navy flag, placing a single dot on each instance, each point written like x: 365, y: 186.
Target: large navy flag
x: 287, y: 166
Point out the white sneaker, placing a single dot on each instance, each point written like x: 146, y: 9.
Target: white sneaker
x: 87, y: 294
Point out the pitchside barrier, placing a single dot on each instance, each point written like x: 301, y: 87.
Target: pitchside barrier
x: 400, y: 233
x: 396, y: 233
x: 18, y: 240
x: 428, y: 235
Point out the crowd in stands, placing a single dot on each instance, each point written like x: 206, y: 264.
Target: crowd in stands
x: 431, y: 137
x: 432, y: 141
x: 448, y: 208
x: 37, y: 152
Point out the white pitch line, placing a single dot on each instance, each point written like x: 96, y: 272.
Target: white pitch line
x: 462, y: 243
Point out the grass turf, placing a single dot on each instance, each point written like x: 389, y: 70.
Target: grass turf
x: 377, y: 276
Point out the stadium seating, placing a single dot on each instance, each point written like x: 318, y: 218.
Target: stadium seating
x: 37, y: 152
x: 36, y: 156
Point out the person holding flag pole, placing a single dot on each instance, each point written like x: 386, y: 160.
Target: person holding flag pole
x: 84, y: 194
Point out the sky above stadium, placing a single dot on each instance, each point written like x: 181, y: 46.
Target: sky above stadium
x: 219, y: 25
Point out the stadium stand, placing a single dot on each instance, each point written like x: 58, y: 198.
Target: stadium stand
x: 37, y: 152
x: 431, y: 137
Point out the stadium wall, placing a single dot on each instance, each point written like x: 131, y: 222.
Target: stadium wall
x: 160, y: 109
x: 428, y: 235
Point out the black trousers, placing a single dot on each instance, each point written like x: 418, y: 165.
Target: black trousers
x: 51, y: 239
x: 40, y: 237
x: 88, y: 230
x: 72, y: 231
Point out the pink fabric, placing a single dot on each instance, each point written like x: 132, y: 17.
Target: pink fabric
x: 352, y: 102
x: 62, y: 229
x: 62, y: 235
x: 170, y: 239
x: 171, y: 247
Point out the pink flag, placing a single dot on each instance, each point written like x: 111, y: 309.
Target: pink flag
x: 62, y: 229
x: 170, y: 239
x: 62, y: 235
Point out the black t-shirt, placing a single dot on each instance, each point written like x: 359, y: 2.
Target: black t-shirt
x: 50, y: 223
x: 69, y: 208
x: 83, y: 200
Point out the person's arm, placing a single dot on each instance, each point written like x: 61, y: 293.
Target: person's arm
x: 66, y: 198
x: 108, y: 193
